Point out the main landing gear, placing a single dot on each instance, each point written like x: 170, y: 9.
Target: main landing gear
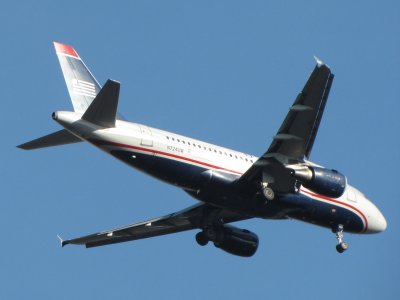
x: 342, y: 245
x: 209, y: 224
x: 201, y: 238
x: 267, y: 191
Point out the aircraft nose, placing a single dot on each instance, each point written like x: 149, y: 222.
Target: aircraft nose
x: 376, y: 222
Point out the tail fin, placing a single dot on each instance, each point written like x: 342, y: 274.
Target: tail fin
x: 98, y: 105
x: 81, y: 84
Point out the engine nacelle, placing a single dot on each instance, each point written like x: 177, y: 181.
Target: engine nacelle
x: 236, y: 241
x: 330, y: 183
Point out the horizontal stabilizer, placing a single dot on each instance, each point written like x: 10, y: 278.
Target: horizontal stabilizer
x: 103, y: 110
x: 58, y: 138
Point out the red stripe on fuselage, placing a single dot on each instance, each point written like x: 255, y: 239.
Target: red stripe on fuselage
x: 339, y: 202
x: 99, y: 143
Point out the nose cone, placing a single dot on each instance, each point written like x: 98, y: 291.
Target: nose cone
x: 376, y: 221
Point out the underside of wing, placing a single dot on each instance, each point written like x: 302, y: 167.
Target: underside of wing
x: 183, y: 220
x: 295, y: 138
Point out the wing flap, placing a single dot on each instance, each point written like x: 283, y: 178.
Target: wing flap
x: 150, y: 231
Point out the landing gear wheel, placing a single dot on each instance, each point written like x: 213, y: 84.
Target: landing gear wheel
x: 341, y: 247
x: 201, y: 239
x: 268, y: 193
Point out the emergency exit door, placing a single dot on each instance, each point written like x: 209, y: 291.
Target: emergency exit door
x: 147, y: 137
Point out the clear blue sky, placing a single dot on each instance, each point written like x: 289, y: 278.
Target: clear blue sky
x: 222, y: 71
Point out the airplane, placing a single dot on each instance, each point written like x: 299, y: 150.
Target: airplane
x: 229, y: 185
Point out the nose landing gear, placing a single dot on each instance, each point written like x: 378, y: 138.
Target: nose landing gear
x: 342, y: 245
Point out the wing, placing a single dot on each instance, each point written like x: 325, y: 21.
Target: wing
x: 295, y: 138
x: 183, y: 220
x: 297, y: 133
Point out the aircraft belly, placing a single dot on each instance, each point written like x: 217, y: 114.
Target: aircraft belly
x: 323, y: 214
x: 194, y: 179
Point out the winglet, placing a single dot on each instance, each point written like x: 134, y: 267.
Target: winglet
x: 62, y: 242
x: 320, y: 63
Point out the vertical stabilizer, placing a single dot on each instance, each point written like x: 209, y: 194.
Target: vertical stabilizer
x: 103, y: 110
x: 81, y: 84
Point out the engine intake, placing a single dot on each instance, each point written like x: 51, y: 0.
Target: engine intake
x: 330, y: 183
x: 236, y: 241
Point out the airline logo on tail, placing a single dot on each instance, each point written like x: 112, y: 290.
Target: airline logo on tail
x: 83, y: 88
x: 81, y: 84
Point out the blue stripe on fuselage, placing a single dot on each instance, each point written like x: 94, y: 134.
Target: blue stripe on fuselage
x: 171, y: 171
x: 322, y: 213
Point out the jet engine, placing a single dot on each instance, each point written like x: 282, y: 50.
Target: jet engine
x: 326, y: 182
x: 236, y: 241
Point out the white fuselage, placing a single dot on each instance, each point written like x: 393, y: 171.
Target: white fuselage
x: 188, y: 152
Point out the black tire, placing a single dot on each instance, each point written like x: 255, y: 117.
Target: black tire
x: 342, y: 247
x: 201, y: 239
